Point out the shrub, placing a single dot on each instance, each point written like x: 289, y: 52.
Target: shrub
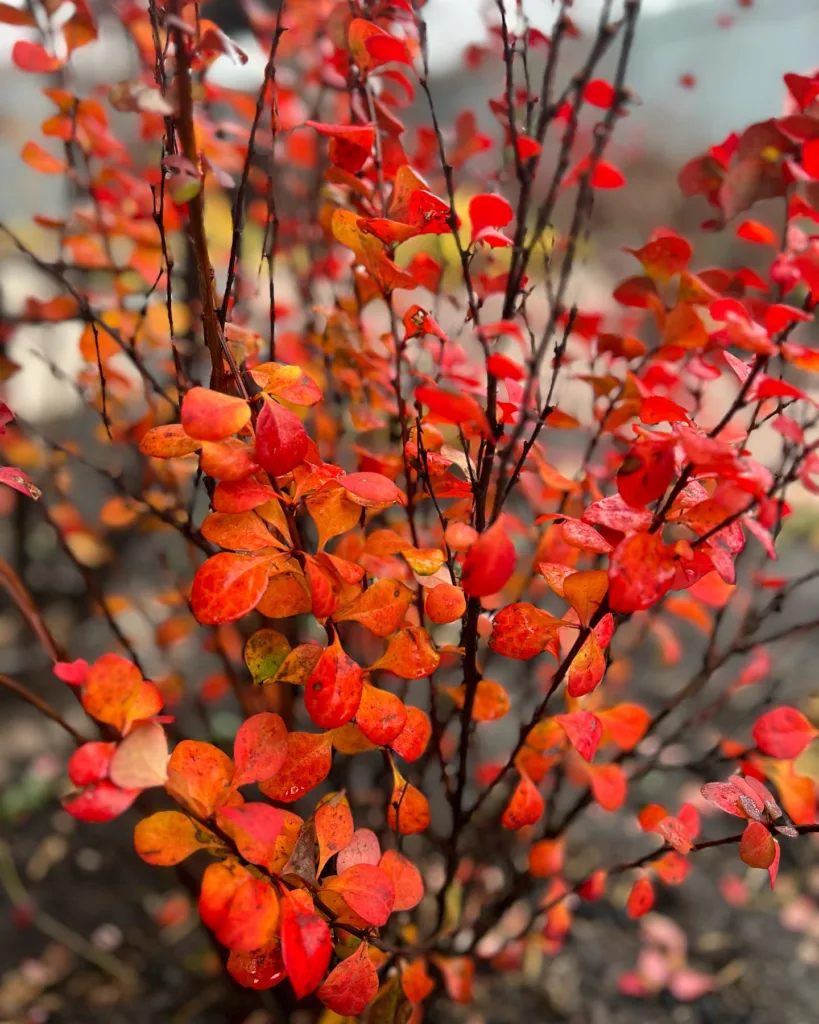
x: 424, y: 580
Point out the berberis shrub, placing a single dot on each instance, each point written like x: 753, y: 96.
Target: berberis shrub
x: 419, y: 575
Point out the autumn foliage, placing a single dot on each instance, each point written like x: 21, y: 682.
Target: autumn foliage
x: 400, y: 548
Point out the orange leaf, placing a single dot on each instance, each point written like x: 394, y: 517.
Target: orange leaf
x: 168, y: 442
x: 608, y: 785
x: 381, y: 716
x: 410, y: 654
x: 333, y: 512
x: 168, y: 837
x: 381, y: 608
x: 522, y: 631
x: 115, y: 693
x: 333, y: 823
x: 240, y: 531
x: 587, y: 668
x: 525, y: 807
x: 408, y: 811
x: 241, y: 910
x: 444, y: 603
x: 406, y: 880
x: 41, y: 160
x: 491, y: 700
x: 412, y: 741
x: 584, y: 591
x: 290, y: 383
x: 624, y: 724
x: 199, y: 777
x: 210, y: 415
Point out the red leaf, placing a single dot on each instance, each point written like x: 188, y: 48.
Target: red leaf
x: 783, y: 732
x: 259, y: 969
x: 90, y: 762
x: 584, y: 731
x: 281, y: 440
x: 308, y: 763
x: 641, y: 898
x: 101, y: 801
x: 367, y: 890
x: 489, y: 563
x: 600, y: 93
x: 664, y: 256
x: 646, y: 472
x: 351, y: 985
x: 254, y: 828
x: 773, y: 867
x: 372, y: 490
x: 32, y: 57
x: 250, y: 918
x: 606, y: 176
x: 259, y: 749
x: 489, y: 211
x: 228, y: 586
x: 332, y: 693
x: 641, y: 570
x: 753, y: 231
x: 662, y: 410
x: 757, y: 848
x: 15, y: 478
x: 306, y: 943
x: 453, y: 407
